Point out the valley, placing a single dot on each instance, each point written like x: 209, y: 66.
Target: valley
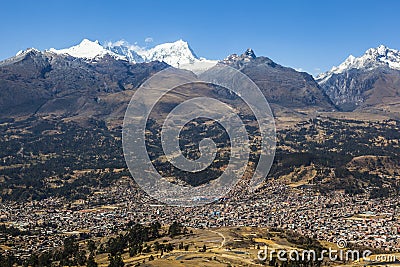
x: 68, y: 197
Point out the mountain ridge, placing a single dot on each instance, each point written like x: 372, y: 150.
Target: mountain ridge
x: 123, y: 50
x: 99, y: 83
x: 176, y: 54
x: 281, y: 85
x: 349, y: 86
x: 380, y: 56
x: 369, y: 82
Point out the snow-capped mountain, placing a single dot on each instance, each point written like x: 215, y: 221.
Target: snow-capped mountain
x: 87, y: 50
x: 381, y: 56
x: 363, y: 82
x: 177, y: 54
x: 132, y: 53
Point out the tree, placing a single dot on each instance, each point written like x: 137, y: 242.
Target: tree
x: 116, y: 245
x: 44, y: 259
x: 71, y: 247
x: 135, y: 249
x: 91, y: 246
x: 156, y: 246
x: 169, y: 247
x: 33, y: 260
x: 90, y: 261
x: 154, y: 229
x: 81, y: 257
x: 116, y: 261
x: 175, y: 229
x: 146, y: 249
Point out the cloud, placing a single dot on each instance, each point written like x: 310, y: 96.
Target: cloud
x: 148, y: 40
x: 134, y: 47
x: 117, y: 43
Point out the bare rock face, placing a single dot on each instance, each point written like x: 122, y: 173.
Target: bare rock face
x: 358, y: 89
x: 367, y: 82
x: 281, y: 85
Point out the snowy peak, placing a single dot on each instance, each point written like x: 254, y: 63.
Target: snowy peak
x: 373, y: 58
x: 247, y: 56
x: 383, y: 54
x: 123, y: 48
x: 88, y: 50
x: 179, y: 55
x: 27, y: 51
x: 249, y: 53
x: 175, y: 54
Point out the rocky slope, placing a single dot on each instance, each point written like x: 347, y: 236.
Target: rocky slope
x: 46, y: 83
x: 88, y: 80
x: 281, y: 86
x: 371, y: 81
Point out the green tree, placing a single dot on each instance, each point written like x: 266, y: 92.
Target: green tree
x: 154, y: 229
x: 81, y: 257
x: 116, y: 260
x: 90, y: 261
x: 91, y: 246
x: 156, y: 246
x: 175, y: 229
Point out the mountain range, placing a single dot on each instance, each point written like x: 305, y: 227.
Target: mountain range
x: 95, y: 80
x: 371, y: 81
x: 176, y: 54
x: 61, y: 112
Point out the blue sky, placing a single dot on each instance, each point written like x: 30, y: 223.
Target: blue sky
x: 311, y: 35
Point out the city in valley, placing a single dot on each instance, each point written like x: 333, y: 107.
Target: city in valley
x: 306, y: 203
x: 228, y: 227
x: 218, y: 134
